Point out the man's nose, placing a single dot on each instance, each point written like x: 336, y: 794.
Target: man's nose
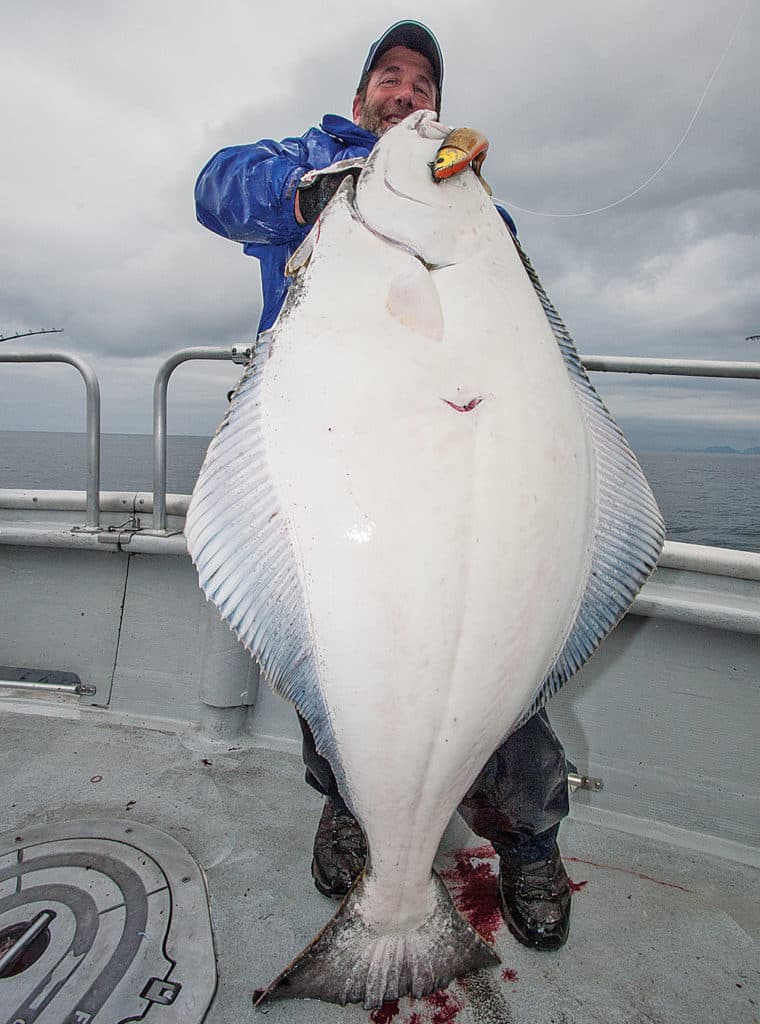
x: 405, y: 94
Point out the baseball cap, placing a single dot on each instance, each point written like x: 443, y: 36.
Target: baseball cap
x: 415, y: 36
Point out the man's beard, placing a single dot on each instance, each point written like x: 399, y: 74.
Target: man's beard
x: 372, y: 117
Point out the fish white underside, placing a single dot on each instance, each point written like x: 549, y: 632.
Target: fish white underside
x: 442, y: 552
x: 412, y: 515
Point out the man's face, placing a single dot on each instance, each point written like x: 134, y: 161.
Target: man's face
x: 400, y: 82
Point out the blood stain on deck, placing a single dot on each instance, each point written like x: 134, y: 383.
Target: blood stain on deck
x: 437, y: 1008
x: 629, y: 871
x: 386, y: 1013
x: 472, y: 883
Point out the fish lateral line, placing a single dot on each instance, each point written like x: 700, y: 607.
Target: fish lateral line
x: 403, y: 195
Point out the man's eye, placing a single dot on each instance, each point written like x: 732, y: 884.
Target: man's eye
x: 389, y: 81
x: 424, y: 90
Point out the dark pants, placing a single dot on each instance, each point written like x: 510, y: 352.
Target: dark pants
x: 516, y: 803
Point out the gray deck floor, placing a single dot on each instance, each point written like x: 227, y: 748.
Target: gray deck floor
x: 659, y: 934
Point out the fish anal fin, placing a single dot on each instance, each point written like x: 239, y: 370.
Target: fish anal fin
x: 352, y: 962
x: 413, y: 300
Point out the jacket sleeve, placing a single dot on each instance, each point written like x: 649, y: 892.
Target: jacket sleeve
x: 506, y: 217
x: 245, y: 193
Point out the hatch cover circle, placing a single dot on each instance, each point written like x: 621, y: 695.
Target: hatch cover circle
x: 103, y: 921
x: 31, y: 952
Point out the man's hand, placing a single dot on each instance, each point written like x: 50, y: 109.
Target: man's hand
x: 315, y: 190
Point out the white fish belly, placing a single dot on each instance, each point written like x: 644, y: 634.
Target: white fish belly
x: 442, y: 552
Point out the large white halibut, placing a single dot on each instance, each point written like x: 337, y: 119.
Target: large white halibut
x: 421, y: 520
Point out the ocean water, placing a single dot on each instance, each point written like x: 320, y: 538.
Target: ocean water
x: 58, y: 461
x: 705, y: 498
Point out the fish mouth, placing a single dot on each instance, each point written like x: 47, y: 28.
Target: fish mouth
x: 467, y: 407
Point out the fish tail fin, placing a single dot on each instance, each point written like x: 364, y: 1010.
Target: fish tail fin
x: 350, y: 961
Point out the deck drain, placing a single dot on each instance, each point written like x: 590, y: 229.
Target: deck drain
x: 22, y: 944
x: 102, y: 921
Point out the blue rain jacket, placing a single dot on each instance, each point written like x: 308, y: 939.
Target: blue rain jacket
x: 246, y: 193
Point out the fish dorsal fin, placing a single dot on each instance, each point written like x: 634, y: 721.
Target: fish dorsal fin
x: 413, y: 300
x: 240, y: 543
x: 629, y: 531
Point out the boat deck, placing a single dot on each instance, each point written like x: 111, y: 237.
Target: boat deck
x: 660, y: 934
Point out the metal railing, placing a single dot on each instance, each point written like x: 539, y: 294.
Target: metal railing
x: 673, y: 367
x: 236, y: 354
x: 698, y: 558
x: 605, y: 364
x: 742, y: 565
x: 92, y: 388
x: 655, y: 601
x: 240, y: 354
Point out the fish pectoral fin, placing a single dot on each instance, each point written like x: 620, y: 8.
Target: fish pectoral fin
x: 413, y: 300
x: 351, y: 962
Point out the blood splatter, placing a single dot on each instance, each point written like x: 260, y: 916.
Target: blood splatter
x: 629, y: 871
x: 576, y: 886
x: 444, y: 1006
x: 472, y: 882
x: 437, y: 1008
x: 386, y: 1013
x: 509, y: 974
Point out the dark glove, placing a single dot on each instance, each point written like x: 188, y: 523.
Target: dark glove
x: 316, y: 189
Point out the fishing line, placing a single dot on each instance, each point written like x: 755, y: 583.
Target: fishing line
x: 666, y: 161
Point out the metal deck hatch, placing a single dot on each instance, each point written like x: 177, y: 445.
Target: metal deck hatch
x: 102, y: 921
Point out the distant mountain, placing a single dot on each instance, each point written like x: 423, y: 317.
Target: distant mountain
x: 720, y: 449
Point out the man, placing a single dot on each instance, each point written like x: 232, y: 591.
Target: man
x: 267, y: 196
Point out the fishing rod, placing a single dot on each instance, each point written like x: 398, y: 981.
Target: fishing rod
x: 29, y: 334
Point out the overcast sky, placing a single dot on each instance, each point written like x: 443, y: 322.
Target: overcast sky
x: 112, y: 108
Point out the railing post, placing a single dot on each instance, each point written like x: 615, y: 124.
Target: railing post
x: 92, y: 388
x: 236, y: 354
